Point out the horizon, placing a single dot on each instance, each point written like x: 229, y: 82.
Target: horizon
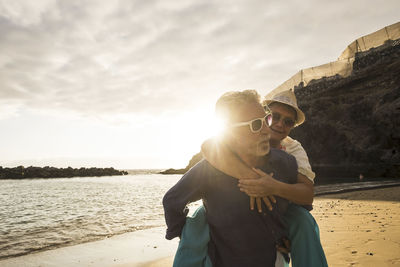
x: 132, y: 85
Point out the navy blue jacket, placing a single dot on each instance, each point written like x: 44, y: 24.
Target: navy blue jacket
x: 238, y: 236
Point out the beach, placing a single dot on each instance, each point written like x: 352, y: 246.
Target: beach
x: 360, y: 228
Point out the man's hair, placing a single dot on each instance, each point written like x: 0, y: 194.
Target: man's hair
x: 229, y: 103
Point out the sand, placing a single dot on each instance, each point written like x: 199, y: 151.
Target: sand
x: 359, y: 228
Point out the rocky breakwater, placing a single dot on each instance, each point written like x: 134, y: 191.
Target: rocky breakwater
x: 353, y: 123
x: 21, y: 172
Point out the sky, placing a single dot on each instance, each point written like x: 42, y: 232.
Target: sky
x: 132, y: 84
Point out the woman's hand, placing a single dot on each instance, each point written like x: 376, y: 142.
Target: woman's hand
x: 267, y: 200
x: 261, y: 189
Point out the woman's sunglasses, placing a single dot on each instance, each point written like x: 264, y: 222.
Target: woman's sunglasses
x: 256, y: 124
x: 288, y: 122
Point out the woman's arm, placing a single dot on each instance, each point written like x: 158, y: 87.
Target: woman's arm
x: 301, y: 193
x: 223, y: 159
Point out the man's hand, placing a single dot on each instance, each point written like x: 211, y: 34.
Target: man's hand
x: 259, y: 189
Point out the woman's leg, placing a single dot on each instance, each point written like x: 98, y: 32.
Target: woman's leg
x: 306, y: 249
x: 192, y: 248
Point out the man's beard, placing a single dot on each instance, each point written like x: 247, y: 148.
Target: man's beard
x: 262, y: 148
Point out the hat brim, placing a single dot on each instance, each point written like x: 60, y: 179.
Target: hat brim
x: 300, y: 115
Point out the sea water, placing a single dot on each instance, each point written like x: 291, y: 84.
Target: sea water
x: 39, y: 214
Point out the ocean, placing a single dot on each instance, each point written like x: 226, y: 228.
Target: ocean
x: 41, y: 214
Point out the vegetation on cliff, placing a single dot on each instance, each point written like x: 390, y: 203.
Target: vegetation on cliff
x: 21, y: 172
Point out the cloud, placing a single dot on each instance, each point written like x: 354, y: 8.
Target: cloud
x: 105, y: 57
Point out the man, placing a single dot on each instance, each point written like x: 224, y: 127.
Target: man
x: 306, y: 249
x: 238, y: 236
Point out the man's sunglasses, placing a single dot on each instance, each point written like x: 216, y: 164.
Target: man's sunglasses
x: 288, y: 122
x: 256, y: 124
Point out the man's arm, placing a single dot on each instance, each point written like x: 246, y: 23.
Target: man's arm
x: 188, y: 189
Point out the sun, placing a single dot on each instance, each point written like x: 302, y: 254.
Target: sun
x: 207, y: 125
x: 191, y: 129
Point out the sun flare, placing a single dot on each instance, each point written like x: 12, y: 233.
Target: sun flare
x: 191, y: 129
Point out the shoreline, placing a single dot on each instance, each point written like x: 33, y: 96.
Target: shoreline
x: 326, y: 189
x: 149, y: 248
x: 134, y: 249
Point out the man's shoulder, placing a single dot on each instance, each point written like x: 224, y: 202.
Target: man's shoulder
x: 202, y: 167
x: 281, y: 158
x: 284, y: 166
x: 279, y: 154
x: 198, y: 166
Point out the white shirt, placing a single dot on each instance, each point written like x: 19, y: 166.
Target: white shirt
x: 294, y: 148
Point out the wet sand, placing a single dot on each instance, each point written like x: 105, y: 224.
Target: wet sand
x: 130, y: 249
x: 360, y: 228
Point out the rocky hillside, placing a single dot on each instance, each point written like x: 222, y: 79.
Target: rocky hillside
x: 353, y: 123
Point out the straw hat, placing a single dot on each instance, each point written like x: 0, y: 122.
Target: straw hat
x: 288, y: 98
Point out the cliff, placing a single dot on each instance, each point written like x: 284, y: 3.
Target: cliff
x: 353, y: 123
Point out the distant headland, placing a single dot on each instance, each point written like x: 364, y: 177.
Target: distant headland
x: 22, y: 172
x: 196, y: 158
